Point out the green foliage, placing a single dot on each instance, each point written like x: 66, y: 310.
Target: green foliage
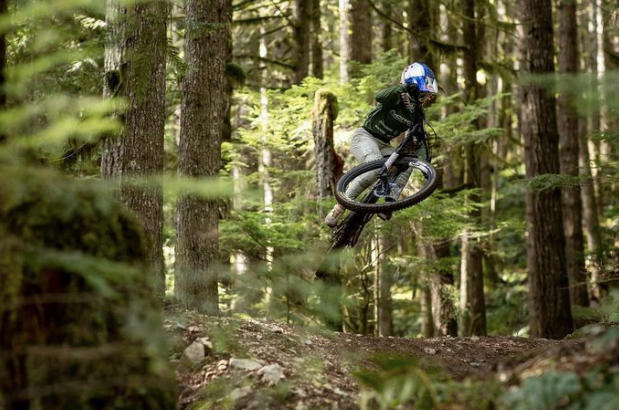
x: 457, y: 129
x: 548, y: 182
x: 606, y: 311
x: 396, y: 381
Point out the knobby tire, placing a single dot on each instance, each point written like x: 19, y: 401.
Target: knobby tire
x: 430, y: 185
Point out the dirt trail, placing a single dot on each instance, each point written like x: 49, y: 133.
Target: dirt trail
x: 254, y: 365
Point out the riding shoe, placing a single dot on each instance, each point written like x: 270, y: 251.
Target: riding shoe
x: 334, y: 215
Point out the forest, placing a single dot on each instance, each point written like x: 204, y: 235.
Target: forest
x: 166, y: 170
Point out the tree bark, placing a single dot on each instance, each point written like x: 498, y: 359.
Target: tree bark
x: 386, y: 32
x: 114, y: 84
x: 361, y: 28
x: 329, y: 165
x: 568, y: 131
x: 589, y: 198
x: 302, y: 21
x: 316, y: 40
x: 427, y: 324
x: 549, y: 302
x: 344, y: 38
x: 473, y: 304
x: 137, y: 72
x: 420, y: 19
x: 444, y: 314
x: 384, y: 306
x: 206, y: 48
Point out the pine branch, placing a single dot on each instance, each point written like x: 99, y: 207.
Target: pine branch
x: 256, y: 19
x: 265, y: 60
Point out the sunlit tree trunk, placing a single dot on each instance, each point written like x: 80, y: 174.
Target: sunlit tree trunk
x: 568, y: 131
x: 328, y: 163
x: 588, y: 195
x: 549, y: 302
x: 301, y: 28
x: 595, y: 120
x: 344, y: 38
x: 136, y: 71
x: 206, y: 49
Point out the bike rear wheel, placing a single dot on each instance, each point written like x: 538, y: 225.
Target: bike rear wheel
x: 422, y: 183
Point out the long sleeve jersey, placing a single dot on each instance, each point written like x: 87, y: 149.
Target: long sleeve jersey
x: 390, y: 117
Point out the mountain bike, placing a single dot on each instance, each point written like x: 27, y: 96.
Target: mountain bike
x: 378, y: 198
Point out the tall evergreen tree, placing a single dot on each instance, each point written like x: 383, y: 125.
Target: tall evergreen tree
x: 361, y: 32
x: 549, y: 303
x: 206, y: 50
x: 569, y: 135
x: 316, y: 40
x: 344, y: 38
x: 135, y: 70
x: 473, y: 303
x: 420, y: 20
x: 301, y: 29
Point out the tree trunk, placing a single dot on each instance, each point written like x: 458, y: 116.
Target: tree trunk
x: 386, y: 33
x: 384, y: 308
x: 568, y: 131
x: 427, y: 325
x: 206, y: 48
x: 588, y: 194
x: 361, y: 38
x: 441, y: 290
x: 329, y: 165
x: 595, y: 120
x: 301, y: 20
x: 115, y: 83
x: 549, y: 302
x: 420, y: 20
x: 345, y: 46
x: 473, y: 305
x: 139, y: 73
x: 316, y: 40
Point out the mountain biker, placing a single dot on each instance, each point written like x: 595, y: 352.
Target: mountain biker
x: 392, y: 116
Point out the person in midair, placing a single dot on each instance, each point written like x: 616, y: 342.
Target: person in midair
x: 392, y: 116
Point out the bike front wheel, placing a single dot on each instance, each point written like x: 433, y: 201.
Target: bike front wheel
x: 420, y: 185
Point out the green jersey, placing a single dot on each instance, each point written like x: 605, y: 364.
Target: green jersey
x: 390, y: 118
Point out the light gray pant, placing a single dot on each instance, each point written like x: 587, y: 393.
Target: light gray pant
x: 367, y: 148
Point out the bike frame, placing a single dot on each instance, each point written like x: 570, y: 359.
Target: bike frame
x: 416, y: 138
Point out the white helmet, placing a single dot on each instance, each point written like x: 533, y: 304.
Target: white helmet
x: 422, y: 75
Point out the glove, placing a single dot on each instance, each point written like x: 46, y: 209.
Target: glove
x: 412, y: 88
x: 407, y: 96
